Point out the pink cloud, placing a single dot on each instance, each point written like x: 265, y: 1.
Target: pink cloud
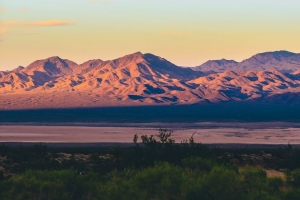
x: 50, y: 23
x: 16, y: 23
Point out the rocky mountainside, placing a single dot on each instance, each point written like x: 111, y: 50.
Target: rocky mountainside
x: 283, y: 61
x: 139, y: 79
x: 217, y: 66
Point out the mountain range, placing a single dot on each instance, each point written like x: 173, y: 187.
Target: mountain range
x: 143, y: 79
x: 283, y: 61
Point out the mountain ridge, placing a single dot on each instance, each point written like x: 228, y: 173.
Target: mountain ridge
x: 147, y: 79
x: 282, y: 60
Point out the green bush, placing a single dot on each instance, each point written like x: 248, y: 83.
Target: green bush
x: 63, y: 184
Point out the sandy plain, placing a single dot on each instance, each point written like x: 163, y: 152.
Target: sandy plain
x: 118, y: 134
x: 19, y: 101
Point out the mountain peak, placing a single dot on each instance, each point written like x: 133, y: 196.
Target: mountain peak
x: 57, y: 59
x: 91, y: 62
x: 216, y: 65
x: 137, y: 53
x: 282, y: 60
x: 54, y: 59
x: 152, y: 56
x: 223, y: 61
x: 134, y: 55
x: 275, y: 55
x: 50, y: 66
x: 18, y: 69
x: 281, y: 53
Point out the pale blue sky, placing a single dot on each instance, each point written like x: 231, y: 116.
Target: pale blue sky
x: 186, y: 32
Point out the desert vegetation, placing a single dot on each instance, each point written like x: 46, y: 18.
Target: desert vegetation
x: 154, y: 167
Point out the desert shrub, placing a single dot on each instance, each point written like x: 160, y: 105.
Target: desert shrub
x: 156, y: 168
x: 257, y: 186
x: 275, y: 183
x: 197, y: 164
x: 163, y: 181
x: 63, y: 184
x: 294, y: 178
x: 195, y: 178
x: 293, y: 194
x: 293, y: 181
x: 219, y: 183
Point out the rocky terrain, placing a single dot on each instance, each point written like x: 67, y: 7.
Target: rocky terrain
x: 142, y: 79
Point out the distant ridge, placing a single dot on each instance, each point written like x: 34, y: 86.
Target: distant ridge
x: 283, y: 61
x: 147, y: 79
x: 217, y: 65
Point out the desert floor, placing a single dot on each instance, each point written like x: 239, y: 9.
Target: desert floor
x: 282, y: 134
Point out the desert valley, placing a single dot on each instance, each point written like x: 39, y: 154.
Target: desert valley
x: 148, y: 100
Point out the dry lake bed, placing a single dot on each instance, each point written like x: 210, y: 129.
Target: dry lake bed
x: 208, y: 133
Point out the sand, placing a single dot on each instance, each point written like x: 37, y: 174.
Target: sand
x: 82, y: 134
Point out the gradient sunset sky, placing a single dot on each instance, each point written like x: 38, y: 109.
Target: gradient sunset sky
x: 186, y: 32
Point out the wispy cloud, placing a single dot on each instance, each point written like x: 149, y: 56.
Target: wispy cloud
x: 6, y: 25
x: 10, y: 23
x: 50, y: 23
x: 18, y: 23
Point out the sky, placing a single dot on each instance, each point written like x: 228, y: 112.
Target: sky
x: 185, y: 32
